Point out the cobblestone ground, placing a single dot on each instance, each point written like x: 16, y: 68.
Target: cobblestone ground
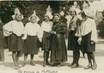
x: 8, y: 67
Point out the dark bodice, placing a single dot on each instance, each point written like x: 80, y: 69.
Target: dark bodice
x: 59, y: 27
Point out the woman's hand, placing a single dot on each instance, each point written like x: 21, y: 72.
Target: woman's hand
x: 24, y: 37
x: 53, y: 32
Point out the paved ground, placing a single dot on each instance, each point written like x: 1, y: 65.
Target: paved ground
x: 8, y: 67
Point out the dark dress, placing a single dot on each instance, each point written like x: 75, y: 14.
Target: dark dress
x: 31, y: 45
x: 58, y: 46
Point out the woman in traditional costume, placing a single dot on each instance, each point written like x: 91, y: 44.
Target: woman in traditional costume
x: 31, y: 38
x: 89, y: 38
x: 15, y: 29
x: 46, y: 42
x: 58, y: 46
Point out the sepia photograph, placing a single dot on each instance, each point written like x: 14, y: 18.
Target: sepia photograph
x: 51, y: 36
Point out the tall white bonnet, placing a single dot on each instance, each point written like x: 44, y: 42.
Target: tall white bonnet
x: 49, y: 12
x: 34, y: 14
x: 16, y: 11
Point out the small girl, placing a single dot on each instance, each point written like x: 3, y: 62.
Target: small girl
x: 15, y: 29
x: 31, y: 36
x: 47, y: 28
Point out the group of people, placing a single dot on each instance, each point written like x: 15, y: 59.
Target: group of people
x: 80, y: 27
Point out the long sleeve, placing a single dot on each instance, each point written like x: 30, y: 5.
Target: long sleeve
x: 25, y: 31
x: 94, y: 32
x: 7, y: 29
x: 68, y: 17
x: 22, y: 28
x: 78, y: 28
x: 64, y: 28
x: 73, y: 22
x: 39, y: 32
x: 60, y: 28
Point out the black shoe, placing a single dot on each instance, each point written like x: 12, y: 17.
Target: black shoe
x: 32, y: 63
x: 88, y: 67
x: 47, y: 63
x: 72, y: 63
x: 17, y: 67
x: 44, y: 64
x: 62, y: 64
x: 55, y: 64
x: 75, y: 66
x: 94, y: 66
x: 24, y: 64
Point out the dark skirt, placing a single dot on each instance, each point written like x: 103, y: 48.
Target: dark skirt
x: 2, y: 42
x: 7, y: 41
x: 87, y: 46
x: 72, y: 41
x: 16, y: 43
x: 31, y: 45
x: 46, y: 41
x: 58, y: 49
x: 2, y: 46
